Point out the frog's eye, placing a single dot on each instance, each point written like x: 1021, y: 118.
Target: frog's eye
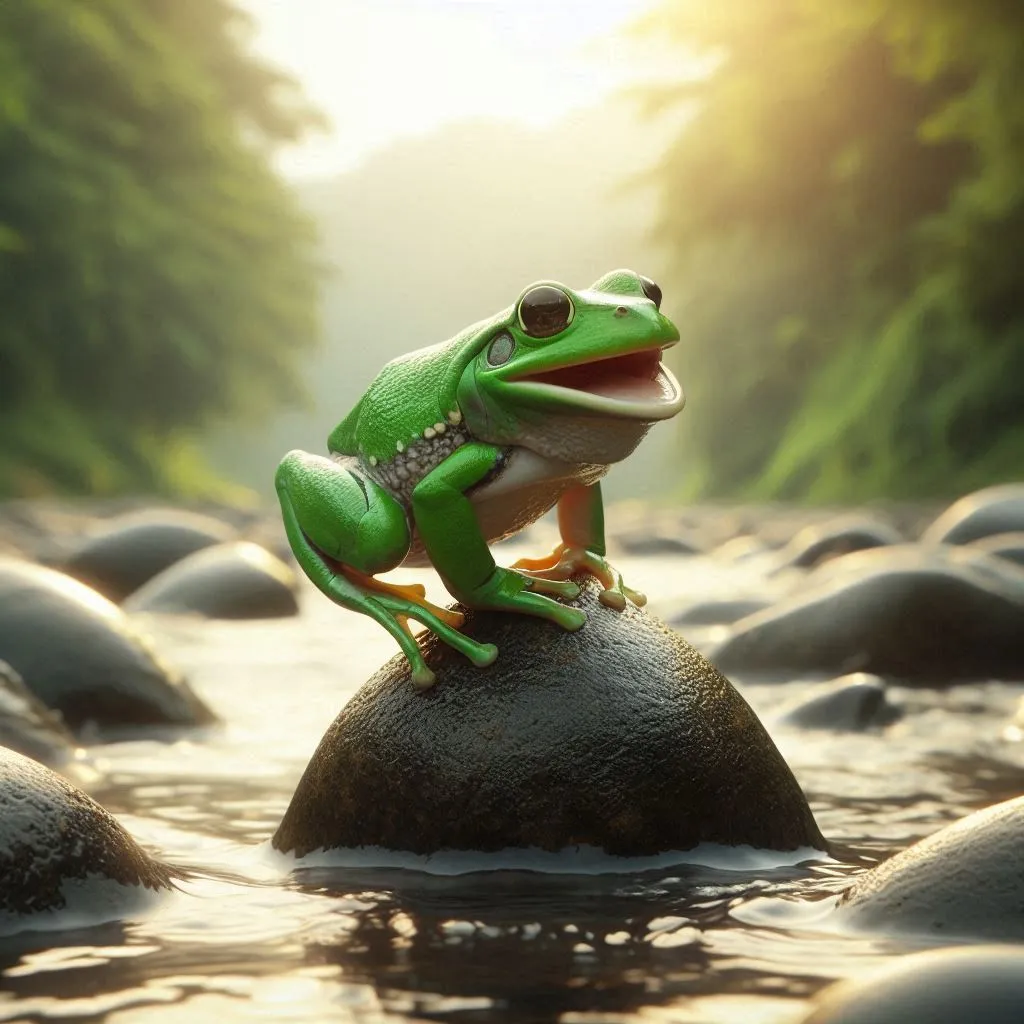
x: 501, y: 349
x: 545, y: 311
x: 651, y: 290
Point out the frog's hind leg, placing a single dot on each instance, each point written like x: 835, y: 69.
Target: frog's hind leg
x: 413, y: 592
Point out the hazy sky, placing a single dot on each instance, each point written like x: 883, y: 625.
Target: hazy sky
x: 386, y: 68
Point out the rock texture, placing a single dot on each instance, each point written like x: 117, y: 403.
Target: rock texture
x: 964, y: 881
x: 53, y: 836
x: 921, y: 615
x: 79, y: 654
x: 239, y: 580
x: 619, y: 736
x: 131, y: 549
x: 972, y: 985
x: 981, y: 514
x: 27, y: 725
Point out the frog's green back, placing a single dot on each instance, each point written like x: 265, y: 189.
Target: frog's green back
x: 410, y: 393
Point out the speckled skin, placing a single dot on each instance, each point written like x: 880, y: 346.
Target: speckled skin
x: 80, y: 654
x: 27, y: 725
x: 964, y: 881
x: 620, y: 736
x: 51, y: 833
x: 925, y: 616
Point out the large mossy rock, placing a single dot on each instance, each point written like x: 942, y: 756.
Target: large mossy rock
x: 239, y: 580
x: 131, y: 549
x: 923, y: 615
x: 81, y: 655
x: 965, y: 881
x: 60, y: 850
x: 620, y: 736
x: 984, y: 513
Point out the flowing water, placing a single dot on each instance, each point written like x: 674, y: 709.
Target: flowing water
x: 256, y: 936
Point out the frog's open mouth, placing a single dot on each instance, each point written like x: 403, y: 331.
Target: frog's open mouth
x: 633, y: 385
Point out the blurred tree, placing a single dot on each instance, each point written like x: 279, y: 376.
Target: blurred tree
x: 154, y: 272
x: 846, y: 210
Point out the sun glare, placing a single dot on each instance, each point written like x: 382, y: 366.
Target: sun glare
x: 404, y: 67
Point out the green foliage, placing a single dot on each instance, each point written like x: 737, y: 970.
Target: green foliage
x: 846, y: 213
x: 154, y: 272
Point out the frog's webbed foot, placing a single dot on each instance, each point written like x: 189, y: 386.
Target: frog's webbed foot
x: 565, y: 561
x: 392, y: 605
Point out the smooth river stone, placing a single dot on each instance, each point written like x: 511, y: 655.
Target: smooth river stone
x: 619, y: 737
x: 239, y: 580
x: 993, y: 510
x: 822, y: 541
x: 964, y: 985
x: 27, y: 725
x: 965, y: 881
x: 850, y: 703
x: 61, y: 851
x: 131, y: 549
x: 80, y: 654
x: 1003, y: 545
x: 918, y: 614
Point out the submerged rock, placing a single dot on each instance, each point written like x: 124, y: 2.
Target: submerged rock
x: 619, y: 737
x: 822, y: 541
x: 239, y: 580
x: 965, y: 985
x: 1003, y: 545
x: 59, y: 850
x: 993, y: 510
x: 134, y: 548
x: 964, y: 881
x: 714, y: 613
x: 81, y: 655
x: 851, y: 703
x: 917, y: 614
x: 645, y: 540
x: 27, y: 725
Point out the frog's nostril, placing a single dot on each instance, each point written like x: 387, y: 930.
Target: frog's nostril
x: 621, y: 310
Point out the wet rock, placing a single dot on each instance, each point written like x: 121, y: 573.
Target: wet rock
x: 27, y: 725
x: 822, y: 541
x: 239, y: 580
x: 851, y: 703
x: 619, y: 737
x: 739, y: 549
x: 61, y: 851
x: 981, y: 514
x: 713, y: 613
x: 1003, y: 545
x: 81, y: 655
x: 654, y: 541
x: 134, y: 548
x: 917, y: 614
x: 964, y: 881
x: 965, y: 985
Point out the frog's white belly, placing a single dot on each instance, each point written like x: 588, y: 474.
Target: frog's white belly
x: 526, y: 486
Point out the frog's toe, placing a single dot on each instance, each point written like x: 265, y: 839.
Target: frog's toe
x: 422, y: 677
x: 558, y: 588
x: 613, y: 599
x: 483, y: 656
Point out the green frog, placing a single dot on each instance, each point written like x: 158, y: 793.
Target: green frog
x: 462, y: 444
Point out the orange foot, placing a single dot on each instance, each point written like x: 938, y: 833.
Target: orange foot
x: 565, y: 561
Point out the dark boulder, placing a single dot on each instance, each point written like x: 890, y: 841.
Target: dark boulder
x: 619, y: 737
x: 59, y: 850
x: 822, y: 541
x: 239, y: 580
x: 993, y: 510
x: 1003, y: 545
x: 650, y: 540
x: 964, y: 985
x: 81, y: 655
x: 131, y: 549
x: 964, y: 881
x: 714, y: 613
x: 917, y: 614
x: 27, y: 725
x: 850, y: 703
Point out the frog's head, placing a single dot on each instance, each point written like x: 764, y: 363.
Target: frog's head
x: 574, y: 375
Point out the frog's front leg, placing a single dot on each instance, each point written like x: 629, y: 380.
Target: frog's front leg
x: 581, y: 524
x: 344, y: 528
x: 450, y: 533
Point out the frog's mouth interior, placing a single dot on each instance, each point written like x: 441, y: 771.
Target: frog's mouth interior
x: 635, y: 380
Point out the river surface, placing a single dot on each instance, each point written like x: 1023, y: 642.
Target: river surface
x: 255, y: 936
